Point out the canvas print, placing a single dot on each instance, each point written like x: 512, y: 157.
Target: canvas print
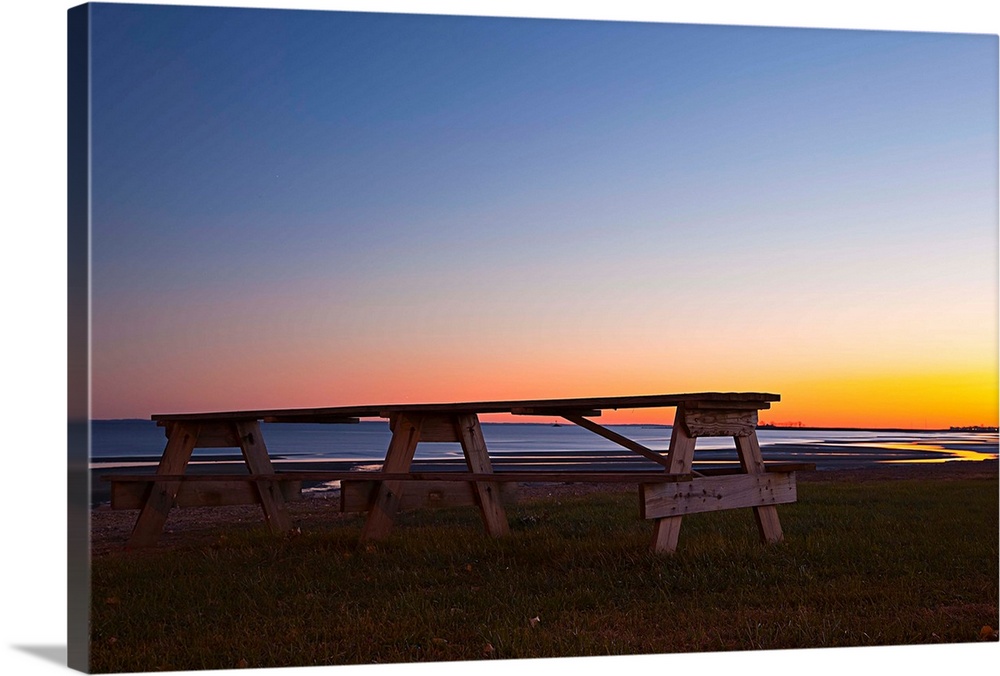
x: 406, y: 338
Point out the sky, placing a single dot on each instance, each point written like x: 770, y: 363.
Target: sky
x: 302, y: 208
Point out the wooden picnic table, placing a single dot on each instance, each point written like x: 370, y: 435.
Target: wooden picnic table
x: 665, y: 495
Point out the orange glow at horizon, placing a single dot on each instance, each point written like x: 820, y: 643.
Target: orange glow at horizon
x: 932, y: 400
x: 225, y: 361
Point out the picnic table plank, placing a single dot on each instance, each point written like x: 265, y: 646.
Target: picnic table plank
x: 680, y: 453
x: 712, y: 494
x: 162, y: 493
x: 405, y: 436
x: 259, y: 462
x: 358, y: 494
x: 752, y: 462
x: 756, y: 400
x: 212, y: 493
x: 478, y: 460
x: 522, y: 476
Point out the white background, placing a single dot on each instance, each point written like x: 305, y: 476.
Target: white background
x: 33, y: 329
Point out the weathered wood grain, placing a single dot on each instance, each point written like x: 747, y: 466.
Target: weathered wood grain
x: 259, y: 462
x: 477, y: 458
x: 768, y: 524
x: 588, y: 413
x: 437, y: 428
x: 357, y: 495
x: 211, y: 435
x: 160, y: 498
x: 405, y: 437
x: 540, y: 406
x: 216, y: 493
x: 526, y: 476
x: 680, y: 453
x: 711, y: 494
x: 719, y: 422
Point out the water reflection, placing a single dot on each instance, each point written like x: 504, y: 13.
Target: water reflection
x: 917, y: 452
x: 834, y: 449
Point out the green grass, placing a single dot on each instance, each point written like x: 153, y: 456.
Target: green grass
x: 886, y: 563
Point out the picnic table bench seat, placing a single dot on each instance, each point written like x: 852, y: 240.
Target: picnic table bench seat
x: 424, y: 489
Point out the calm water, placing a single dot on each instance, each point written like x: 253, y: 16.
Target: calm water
x: 138, y: 442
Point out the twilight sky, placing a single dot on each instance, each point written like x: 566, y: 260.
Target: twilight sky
x: 301, y: 208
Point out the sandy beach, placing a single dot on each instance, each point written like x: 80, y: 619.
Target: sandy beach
x: 204, y: 526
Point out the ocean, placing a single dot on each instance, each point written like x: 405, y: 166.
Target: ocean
x: 139, y: 443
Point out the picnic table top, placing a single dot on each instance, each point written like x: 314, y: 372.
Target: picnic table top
x: 579, y: 406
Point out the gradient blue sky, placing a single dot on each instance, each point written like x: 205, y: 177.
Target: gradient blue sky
x: 302, y: 208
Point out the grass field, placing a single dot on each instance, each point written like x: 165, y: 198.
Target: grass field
x: 879, y: 563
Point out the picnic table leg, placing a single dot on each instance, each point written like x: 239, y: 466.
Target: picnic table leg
x: 405, y: 436
x: 149, y: 525
x: 259, y: 462
x: 680, y: 456
x: 477, y: 458
x: 752, y: 462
